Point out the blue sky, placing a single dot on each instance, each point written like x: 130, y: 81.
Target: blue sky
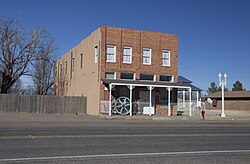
x: 214, y: 35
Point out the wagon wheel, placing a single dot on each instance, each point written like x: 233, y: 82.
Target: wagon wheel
x: 122, y: 105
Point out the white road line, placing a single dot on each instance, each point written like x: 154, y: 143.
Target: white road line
x: 127, y: 155
x: 121, y: 135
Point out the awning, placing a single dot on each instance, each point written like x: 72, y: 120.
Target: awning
x: 145, y: 83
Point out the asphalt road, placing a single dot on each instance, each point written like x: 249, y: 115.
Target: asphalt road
x: 125, y: 141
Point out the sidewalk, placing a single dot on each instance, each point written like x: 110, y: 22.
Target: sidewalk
x: 212, y: 115
x: 209, y: 115
x: 66, y: 118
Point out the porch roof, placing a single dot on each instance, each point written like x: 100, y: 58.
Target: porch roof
x: 146, y: 83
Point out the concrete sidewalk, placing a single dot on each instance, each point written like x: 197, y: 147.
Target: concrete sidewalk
x: 64, y: 118
x: 212, y: 115
x: 209, y: 115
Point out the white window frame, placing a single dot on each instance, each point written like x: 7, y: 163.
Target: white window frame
x: 112, y: 73
x: 146, y: 57
x: 166, y: 60
x: 127, y: 55
x: 134, y: 76
x: 96, y: 53
x: 108, y: 53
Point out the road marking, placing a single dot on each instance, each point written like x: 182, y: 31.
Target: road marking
x: 127, y: 155
x: 122, y: 135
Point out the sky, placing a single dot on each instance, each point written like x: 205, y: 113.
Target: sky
x: 213, y: 35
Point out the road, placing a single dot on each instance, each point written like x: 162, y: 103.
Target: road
x: 125, y: 141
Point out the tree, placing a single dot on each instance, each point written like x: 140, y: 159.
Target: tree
x: 42, y: 75
x: 237, y: 86
x: 213, y: 88
x: 17, y: 50
x: 16, y: 87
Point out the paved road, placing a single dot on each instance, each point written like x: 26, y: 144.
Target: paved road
x: 125, y: 141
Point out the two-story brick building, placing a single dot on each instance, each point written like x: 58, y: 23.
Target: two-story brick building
x: 116, y: 67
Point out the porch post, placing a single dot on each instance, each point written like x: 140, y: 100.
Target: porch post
x: 110, y: 89
x: 130, y: 99
x: 183, y: 99
x: 190, y: 97
x: 150, y: 101
x: 197, y: 98
x: 169, y: 107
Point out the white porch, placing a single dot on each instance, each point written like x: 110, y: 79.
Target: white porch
x: 151, y: 86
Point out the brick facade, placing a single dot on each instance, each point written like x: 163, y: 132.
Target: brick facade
x: 231, y: 105
x: 83, y: 74
x: 138, y: 40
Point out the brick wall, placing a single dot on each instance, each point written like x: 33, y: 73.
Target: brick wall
x: 138, y: 40
x: 231, y: 105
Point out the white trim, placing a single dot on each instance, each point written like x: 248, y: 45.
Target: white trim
x: 110, y: 96
x: 157, y: 86
x: 134, y: 76
x: 190, y: 97
x: 169, y: 103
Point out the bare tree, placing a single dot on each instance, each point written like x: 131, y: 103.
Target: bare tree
x: 42, y: 69
x: 17, y: 50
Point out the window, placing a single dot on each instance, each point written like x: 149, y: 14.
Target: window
x: 73, y: 64
x: 111, y: 53
x: 214, y: 103
x: 96, y: 54
x: 66, y: 67
x: 127, y: 76
x: 127, y: 55
x: 147, y: 77
x: 146, y: 56
x: 61, y: 70
x: 165, y: 57
x: 167, y: 78
x: 110, y: 75
x: 81, y: 61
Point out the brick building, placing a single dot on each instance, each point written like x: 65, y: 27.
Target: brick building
x: 122, y: 71
x: 233, y: 100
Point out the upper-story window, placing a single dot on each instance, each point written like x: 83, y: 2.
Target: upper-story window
x: 146, y: 56
x: 165, y: 57
x: 166, y: 78
x: 127, y: 55
x: 111, y: 53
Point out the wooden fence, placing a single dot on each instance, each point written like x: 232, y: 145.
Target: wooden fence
x: 42, y: 104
